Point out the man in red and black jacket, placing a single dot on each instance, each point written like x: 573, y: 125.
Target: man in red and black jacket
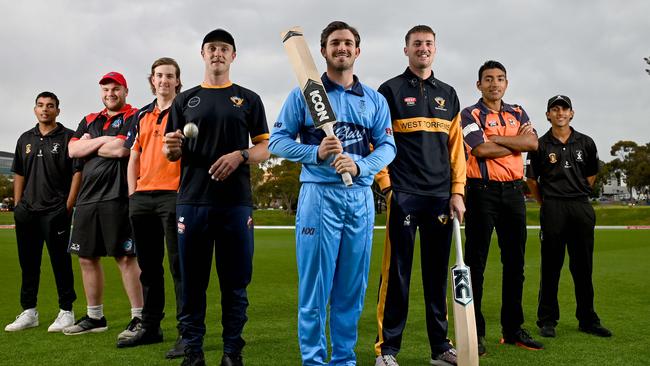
x: 101, y: 220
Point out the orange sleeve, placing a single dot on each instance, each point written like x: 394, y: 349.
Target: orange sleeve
x: 457, y: 159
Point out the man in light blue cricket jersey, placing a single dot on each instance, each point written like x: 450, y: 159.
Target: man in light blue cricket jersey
x: 334, y: 223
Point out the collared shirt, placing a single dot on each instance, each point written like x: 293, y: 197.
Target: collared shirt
x: 227, y: 116
x: 363, y: 120
x: 44, y: 163
x: 104, y: 178
x: 156, y: 173
x: 479, y: 122
x: 430, y: 156
x: 561, y: 169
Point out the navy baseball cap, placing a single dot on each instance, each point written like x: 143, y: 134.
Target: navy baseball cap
x: 219, y: 35
x: 559, y: 100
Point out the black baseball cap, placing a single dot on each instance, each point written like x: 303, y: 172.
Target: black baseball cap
x: 559, y: 99
x: 219, y: 35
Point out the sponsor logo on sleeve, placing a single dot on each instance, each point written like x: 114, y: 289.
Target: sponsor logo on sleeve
x: 193, y: 102
x: 470, y: 128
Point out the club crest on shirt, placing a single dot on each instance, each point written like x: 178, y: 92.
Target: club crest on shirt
x: 552, y: 158
x: 441, y: 103
x: 55, y: 148
x: 237, y: 101
x: 579, y: 155
x: 410, y: 101
x: 117, y: 123
x: 28, y: 148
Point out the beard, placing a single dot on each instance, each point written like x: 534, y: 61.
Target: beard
x: 333, y: 63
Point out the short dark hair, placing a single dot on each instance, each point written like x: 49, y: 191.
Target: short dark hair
x: 491, y: 64
x: 338, y: 25
x: 419, y: 29
x: 166, y: 61
x: 47, y: 94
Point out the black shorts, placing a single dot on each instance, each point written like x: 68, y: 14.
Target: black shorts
x: 102, y: 229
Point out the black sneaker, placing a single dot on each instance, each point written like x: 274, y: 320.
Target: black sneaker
x: 142, y: 336
x: 481, y: 346
x: 447, y: 358
x: 547, y: 331
x: 86, y: 325
x: 193, y: 359
x: 596, y: 329
x: 522, y: 339
x: 178, y: 350
x: 231, y: 359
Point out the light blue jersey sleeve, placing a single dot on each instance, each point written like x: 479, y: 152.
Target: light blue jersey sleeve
x: 381, y: 138
x: 285, y: 131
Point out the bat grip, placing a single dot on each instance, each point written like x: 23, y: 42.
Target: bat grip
x: 459, y: 244
x: 346, y: 177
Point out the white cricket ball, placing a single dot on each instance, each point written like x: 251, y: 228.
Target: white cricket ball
x: 190, y: 130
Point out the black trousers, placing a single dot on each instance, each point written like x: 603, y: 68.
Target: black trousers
x: 407, y: 213
x: 32, y: 228
x: 501, y: 206
x: 567, y: 225
x: 153, y: 221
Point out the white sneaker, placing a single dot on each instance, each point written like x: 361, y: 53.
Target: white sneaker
x: 386, y: 360
x: 26, y: 319
x: 63, y: 320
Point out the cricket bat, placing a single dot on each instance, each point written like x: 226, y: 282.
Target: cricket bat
x: 464, y: 320
x: 311, y: 85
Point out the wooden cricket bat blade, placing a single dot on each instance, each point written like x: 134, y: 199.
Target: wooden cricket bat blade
x: 310, y: 84
x: 464, y: 319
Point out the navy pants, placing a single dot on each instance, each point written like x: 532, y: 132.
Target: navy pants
x: 501, y: 206
x: 228, y: 233
x: 406, y: 213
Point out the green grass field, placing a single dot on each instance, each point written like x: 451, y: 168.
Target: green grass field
x: 622, y: 301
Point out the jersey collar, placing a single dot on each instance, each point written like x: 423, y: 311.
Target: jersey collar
x: 414, y: 79
x: 329, y: 85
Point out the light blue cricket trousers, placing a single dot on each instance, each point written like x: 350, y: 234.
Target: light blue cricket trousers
x: 334, y: 227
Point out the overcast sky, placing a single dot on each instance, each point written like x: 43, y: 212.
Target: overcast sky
x: 591, y: 51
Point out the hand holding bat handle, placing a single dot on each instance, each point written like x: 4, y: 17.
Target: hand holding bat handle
x: 329, y: 131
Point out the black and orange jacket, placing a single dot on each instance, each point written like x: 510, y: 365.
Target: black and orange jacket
x: 478, y: 123
x: 430, y: 158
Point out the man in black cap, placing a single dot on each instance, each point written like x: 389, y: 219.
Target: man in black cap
x: 214, y: 204
x: 560, y: 175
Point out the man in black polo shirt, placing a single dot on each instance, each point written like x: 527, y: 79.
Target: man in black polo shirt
x: 101, y: 220
x: 214, y: 205
x: 46, y: 183
x: 560, y: 176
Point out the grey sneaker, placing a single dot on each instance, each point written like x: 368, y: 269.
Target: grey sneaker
x: 131, y: 329
x: 386, y: 360
x: 86, y: 325
x: 446, y: 358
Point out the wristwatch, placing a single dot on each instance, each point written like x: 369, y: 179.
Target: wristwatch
x: 244, y: 154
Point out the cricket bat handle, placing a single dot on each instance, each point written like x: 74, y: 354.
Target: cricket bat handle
x: 459, y: 244
x: 329, y: 131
